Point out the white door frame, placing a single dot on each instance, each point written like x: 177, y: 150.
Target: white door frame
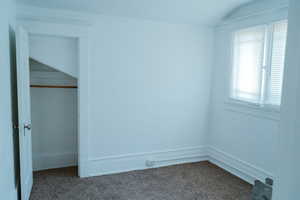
x: 81, y: 33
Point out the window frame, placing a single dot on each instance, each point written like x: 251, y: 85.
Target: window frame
x: 266, y: 66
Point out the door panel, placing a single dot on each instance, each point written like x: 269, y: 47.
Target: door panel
x: 24, y: 112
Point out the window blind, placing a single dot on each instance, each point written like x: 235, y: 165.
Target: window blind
x: 258, y: 64
x: 277, y: 63
x: 248, y: 59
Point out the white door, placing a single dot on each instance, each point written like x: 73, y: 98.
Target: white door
x: 24, y: 112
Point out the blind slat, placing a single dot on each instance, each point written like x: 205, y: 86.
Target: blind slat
x: 277, y: 63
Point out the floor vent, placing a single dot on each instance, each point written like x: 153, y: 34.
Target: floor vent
x: 262, y: 191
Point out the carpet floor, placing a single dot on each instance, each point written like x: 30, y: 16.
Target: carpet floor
x: 195, y: 181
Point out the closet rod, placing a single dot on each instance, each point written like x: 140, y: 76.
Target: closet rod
x: 53, y: 86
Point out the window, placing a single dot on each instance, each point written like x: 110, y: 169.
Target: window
x: 258, y: 63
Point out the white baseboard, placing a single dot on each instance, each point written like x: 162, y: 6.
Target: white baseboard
x: 237, y: 167
x: 52, y: 161
x: 138, y: 161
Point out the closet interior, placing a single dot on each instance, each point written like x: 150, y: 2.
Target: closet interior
x: 53, y: 106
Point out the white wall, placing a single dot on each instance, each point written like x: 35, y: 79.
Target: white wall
x: 149, y: 86
x: 54, y: 121
x: 8, y: 183
x: 149, y: 91
x: 59, y: 52
x: 288, y: 159
x: 54, y: 132
x: 242, y: 137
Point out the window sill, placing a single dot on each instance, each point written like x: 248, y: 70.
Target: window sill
x: 253, y: 109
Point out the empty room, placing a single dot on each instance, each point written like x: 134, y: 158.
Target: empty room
x: 150, y: 100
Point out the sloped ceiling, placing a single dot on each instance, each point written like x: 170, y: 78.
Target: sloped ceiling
x: 257, y: 6
x: 36, y: 66
x: 207, y: 12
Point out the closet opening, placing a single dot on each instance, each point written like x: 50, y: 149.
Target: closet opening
x: 54, y: 101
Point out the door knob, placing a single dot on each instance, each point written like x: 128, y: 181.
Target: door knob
x: 27, y: 126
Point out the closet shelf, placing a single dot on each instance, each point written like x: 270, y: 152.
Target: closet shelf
x: 53, y: 86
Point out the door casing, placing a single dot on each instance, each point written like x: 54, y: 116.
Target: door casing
x: 81, y: 33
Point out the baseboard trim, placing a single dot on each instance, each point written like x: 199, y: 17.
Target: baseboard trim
x: 130, y: 162
x: 52, y: 161
x: 139, y: 161
x: 237, y: 167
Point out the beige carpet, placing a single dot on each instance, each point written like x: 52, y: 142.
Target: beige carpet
x: 196, y: 181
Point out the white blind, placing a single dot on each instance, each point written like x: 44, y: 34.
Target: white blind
x: 247, y: 60
x: 277, y: 63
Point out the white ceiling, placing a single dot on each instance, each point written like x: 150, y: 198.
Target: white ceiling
x: 176, y: 11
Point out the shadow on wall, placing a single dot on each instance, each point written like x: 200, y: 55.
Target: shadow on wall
x: 14, y: 107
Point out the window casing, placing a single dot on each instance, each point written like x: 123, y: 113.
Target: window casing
x: 258, y: 64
